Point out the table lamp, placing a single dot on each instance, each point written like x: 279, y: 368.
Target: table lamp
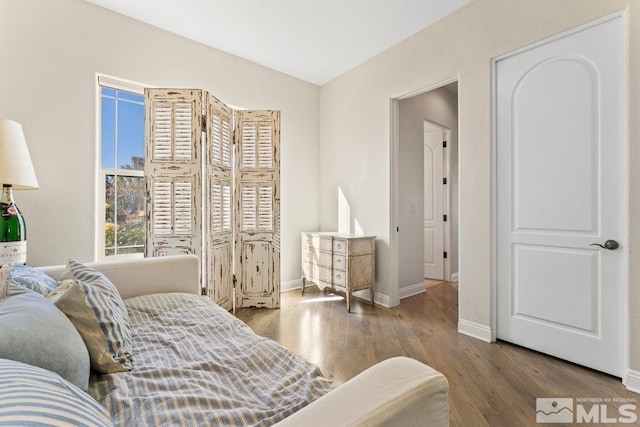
x: 16, y: 172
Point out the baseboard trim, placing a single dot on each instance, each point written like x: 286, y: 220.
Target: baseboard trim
x: 383, y: 300
x: 290, y: 285
x: 632, y: 381
x: 411, y: 290
x: 379, y: 299
x: 454, y: 277
x: 474, y: 330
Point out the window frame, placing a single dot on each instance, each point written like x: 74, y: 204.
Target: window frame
x: 103, y: 80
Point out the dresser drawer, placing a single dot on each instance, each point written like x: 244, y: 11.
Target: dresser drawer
x: 312, y: 242
x: 324, y: 274
x: 306, y: 254
x: 339, y: 278
x: 340, y: 262
x: 339, y: 246
x: 324, y: 244
x: 315, y: 257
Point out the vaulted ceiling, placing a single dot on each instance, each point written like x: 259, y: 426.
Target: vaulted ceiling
x: 314, y: 40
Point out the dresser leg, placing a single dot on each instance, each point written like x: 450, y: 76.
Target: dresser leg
x: 304, y: 284
x: 348, y: 301
x: 372, y: 291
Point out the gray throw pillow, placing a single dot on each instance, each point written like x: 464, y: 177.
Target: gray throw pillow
x: 34, y: 331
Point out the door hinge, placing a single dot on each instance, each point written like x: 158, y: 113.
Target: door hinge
x: 445, y: 255
x: 398, y: 229
x: 204, y: 123
x: 234, y: 281
x: 444, y: 218
x: 444, y: 181
x: 205, y: 292
x: 444, y: 144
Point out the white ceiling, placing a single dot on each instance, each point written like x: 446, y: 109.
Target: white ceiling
x: 314, y: 40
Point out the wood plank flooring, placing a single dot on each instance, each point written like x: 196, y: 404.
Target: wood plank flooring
x: 489, y: 384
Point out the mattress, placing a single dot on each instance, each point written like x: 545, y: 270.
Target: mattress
x: 196, y: 364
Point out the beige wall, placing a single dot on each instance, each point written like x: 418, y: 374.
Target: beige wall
x: 355, y: 132
x: 50, y: 53
x: 438, y: 106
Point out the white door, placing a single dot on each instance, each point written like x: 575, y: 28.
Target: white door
x: 433, y: 204
x: 560, y: 188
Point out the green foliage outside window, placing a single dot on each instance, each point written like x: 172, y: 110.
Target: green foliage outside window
x: 124, y: 211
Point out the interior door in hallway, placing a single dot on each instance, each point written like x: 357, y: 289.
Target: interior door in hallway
x: 433, y: 202
x: 561, y: 191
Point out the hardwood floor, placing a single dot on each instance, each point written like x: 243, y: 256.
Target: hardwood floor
x: 489, y: 384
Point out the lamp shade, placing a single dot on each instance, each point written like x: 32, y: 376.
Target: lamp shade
x: 15, y: 163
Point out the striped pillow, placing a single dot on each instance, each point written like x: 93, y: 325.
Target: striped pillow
x: 35, y: 396
x: 95, y: 307
x: 77, y: 270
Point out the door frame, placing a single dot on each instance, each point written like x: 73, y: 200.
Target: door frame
x: 624, y: 190
x: 394, y: 184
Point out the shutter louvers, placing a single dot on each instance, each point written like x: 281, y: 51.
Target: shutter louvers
x: 183, y: 132
x: 215, y: 141
x: 162, y: 124
x: 226, y: 208
x: 265, y: 209
x: 249, y: 208
x: 216, y: 208
x: 226, y: 143
x: 265, y: 157
x: 183, y: 196
x: 248, y: 146
x: 162, y: 207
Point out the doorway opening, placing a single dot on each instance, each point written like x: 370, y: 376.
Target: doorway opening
x: 424, y: 188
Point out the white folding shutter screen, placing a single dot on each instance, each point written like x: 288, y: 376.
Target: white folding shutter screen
x: 257, y: 208
x: 173, y: 142
x: 219, y: 203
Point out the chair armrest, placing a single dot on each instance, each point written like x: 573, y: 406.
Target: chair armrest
x: 396, y: 392
x: 141, y: 276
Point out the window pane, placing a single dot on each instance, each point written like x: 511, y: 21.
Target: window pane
x: 130, y: 214
x: 108, y: 133
x: 109, y: 220
x: 131, y: 96
x: 130, y: 136
x: 122, y: 147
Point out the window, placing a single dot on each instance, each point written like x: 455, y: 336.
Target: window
x: 121, y: 119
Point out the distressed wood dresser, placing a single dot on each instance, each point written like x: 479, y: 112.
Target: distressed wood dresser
x: 342, y: 262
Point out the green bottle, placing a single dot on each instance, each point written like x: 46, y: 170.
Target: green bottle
x: 13, y: 232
